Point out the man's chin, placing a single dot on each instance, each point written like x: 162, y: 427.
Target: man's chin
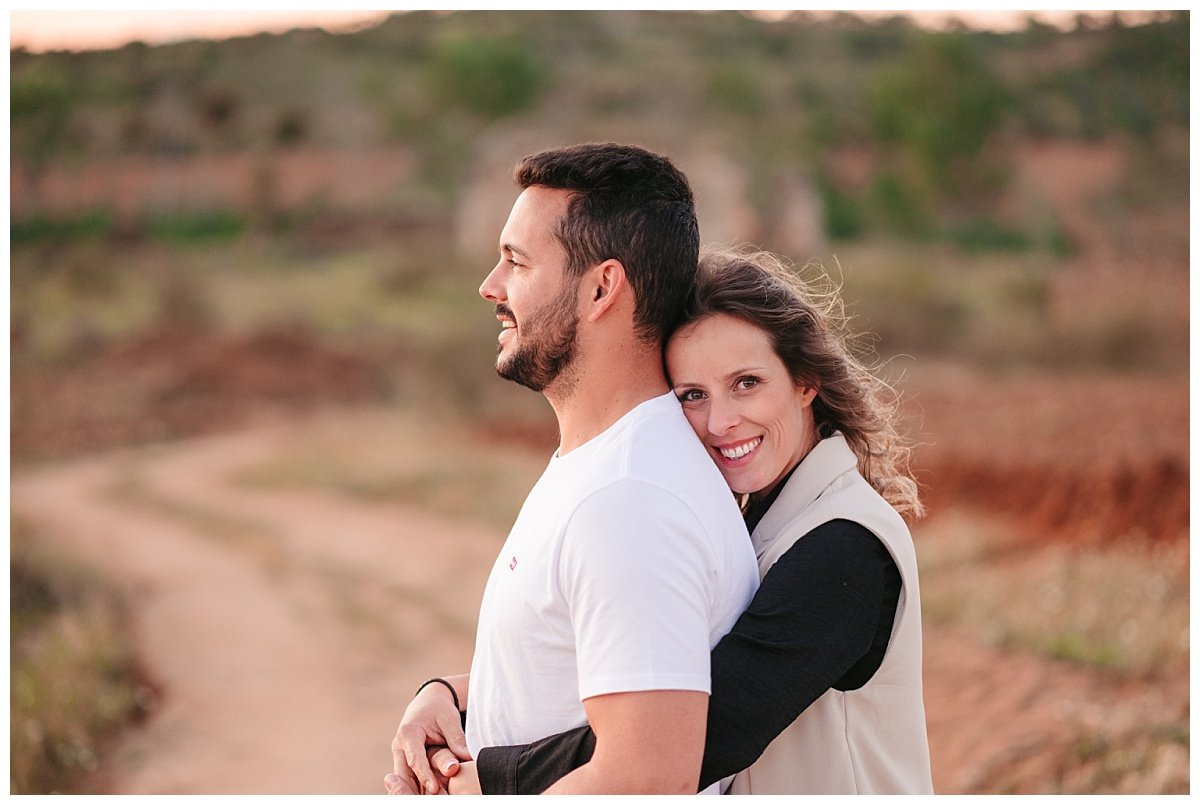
x: 517, y: 374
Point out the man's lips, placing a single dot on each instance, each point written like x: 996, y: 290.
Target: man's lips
x: 508, y: 322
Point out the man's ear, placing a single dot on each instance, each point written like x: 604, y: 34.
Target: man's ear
x: 606, y: 285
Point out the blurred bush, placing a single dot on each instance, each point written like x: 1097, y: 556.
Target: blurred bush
x: 197, y: 227
x: 491, y: 78
x: 74, y: 679
x: 938, y: 104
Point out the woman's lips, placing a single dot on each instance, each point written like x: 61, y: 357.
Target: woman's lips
x: 738, y: 451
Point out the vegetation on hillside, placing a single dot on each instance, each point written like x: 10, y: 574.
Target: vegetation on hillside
x: 911, y: 139
x: 939, y: 111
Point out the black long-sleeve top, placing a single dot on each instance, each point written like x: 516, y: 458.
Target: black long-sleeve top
x: 821, y: 619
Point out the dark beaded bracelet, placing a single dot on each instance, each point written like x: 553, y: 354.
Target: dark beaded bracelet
x: 453, y: 692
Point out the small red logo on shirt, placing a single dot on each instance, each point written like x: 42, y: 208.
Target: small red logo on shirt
x: 513, y: 564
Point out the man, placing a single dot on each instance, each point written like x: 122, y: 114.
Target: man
x: 629, y: 559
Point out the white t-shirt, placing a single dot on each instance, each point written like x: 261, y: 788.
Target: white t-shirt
x: 628, y: 562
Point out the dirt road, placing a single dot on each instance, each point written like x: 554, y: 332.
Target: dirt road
x: 286, y: 629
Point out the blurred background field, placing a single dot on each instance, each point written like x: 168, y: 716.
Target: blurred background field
x: 283, y: 234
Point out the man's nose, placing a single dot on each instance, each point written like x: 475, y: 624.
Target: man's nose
x: 492, y: 290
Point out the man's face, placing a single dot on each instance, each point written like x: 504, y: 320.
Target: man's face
x: 536, y: 301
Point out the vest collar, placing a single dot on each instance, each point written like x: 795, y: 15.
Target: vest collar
x: 829, y: 459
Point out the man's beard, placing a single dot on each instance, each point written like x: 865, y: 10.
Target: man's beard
x: 547, y: 346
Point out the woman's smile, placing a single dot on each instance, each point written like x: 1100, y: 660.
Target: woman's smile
x: 738, y: 452
x: 744, y: 405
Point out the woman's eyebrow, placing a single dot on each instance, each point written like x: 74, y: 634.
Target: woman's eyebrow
x: 735, y: 373
x: 744, y: 370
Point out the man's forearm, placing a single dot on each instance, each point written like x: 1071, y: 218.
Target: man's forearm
x: 635, y: 753
x: 595, y: 778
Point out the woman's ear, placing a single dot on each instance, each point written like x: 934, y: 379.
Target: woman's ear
x: 807, y: 393
x: 606, y: 285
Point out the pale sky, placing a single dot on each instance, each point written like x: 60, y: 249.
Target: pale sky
x: 86, y: 30
x: 82, y: 30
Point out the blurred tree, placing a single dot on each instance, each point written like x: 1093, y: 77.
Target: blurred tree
x: 291, y: 127
x: 940, y: 103
x: 491, y: 78
x: 41, y: 99
x: 217, y: 108
x: 1146, y: 70
x: 843, y: 220
x: 737, y: 89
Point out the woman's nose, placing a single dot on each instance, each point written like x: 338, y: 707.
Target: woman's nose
x: 722, y: 416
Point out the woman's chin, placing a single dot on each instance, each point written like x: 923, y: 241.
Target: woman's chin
x: 738, y: 487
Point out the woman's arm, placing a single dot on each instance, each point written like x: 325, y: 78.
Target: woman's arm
x: 823, y: 613
x: 532, y: 768
x: 821, y: 616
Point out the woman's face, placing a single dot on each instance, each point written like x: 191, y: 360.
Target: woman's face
x: 740, y: 399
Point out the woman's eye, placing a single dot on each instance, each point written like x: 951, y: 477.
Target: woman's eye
x: 691, y: 395
x: 747, y: 382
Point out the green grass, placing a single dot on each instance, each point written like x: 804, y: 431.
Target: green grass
x: 1149, y: 759
x: 986, y: 235
x: 196, y: 228
x: 1123, y: 608
x: 85, y: 226
x: 74, y: 678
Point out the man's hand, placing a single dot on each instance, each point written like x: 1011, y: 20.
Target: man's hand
x: 394, y: 784
x: 444, y: 764
x: 430, y: 720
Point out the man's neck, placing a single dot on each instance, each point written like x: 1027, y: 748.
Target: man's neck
x: 605, y: 388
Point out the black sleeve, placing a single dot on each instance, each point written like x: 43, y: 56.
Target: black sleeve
x: 815, y: 615
x: 532, y: 768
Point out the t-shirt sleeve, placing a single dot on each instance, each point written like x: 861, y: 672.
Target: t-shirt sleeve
x: 638, y: 574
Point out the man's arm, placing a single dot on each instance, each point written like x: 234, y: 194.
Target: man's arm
x: 809, y: 624
x: 431, y: 719
x: 647, y: 742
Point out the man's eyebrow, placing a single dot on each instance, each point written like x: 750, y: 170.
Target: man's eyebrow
x: 508, y: 247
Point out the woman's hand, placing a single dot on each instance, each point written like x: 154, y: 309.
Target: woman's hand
x: 466, y: 781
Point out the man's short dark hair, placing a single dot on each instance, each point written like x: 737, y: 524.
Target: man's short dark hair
x: 631, y: 205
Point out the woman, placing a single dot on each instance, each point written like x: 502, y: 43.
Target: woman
x: 817, y: 689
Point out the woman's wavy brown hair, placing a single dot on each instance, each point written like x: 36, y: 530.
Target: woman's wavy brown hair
x: 808, y: 327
